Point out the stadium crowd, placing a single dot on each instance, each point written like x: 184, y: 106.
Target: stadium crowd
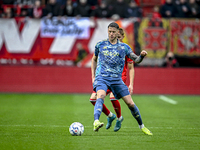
x: 97, y: 8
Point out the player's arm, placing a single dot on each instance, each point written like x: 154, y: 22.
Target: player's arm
x: 138, y: 59
x: 93, y: 66
x: 131, y: 76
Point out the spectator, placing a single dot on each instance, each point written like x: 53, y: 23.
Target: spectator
x: 23, y: 7
x: 170, y: 61
x: 37, y: 10
x: 102, y: 11
x: 156, y: 13
x: 82, y: 9
x: 53, y: 9
x: 194, y: 9
x: 81, y: 53
x: 24, y: 12
x: 183, y: 9
x: 133, y: 10
x: 8, y: 13
x: 168, y: 10
x: 119, y: 8
x: 68, y: 9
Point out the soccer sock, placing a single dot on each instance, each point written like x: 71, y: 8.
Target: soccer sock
x: 136, y: 114
x: 93, y: 101
x: 110, y: 114
x: 105, y: 110
x: 98, y: 108
x: 116, y: 106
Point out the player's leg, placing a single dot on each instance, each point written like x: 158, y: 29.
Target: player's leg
x: 101, y: 94
x: 111, y: 117
x: 117, y: 108
x: 105, y: 110
x: 116, y: 105
x: 120, y: 90
x: 136, y: 113
x: 134, y: 109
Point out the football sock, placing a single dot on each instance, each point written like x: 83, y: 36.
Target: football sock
x: 98, y: 108
x: 120, y: 118
x: 141, y: 126
x: 136, y: 114
x: 110, y: 114
x: 93, y: 101
x: 116, y: 106
x: 105, y: 110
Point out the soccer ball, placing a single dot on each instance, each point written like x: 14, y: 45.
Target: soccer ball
x: 76, y: 128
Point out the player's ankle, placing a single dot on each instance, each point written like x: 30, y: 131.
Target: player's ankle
x: 120, y: 118
x: 110, y: 114
x: 141, y: 126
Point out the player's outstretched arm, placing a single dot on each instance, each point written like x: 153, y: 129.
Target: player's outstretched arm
x: 93, y: 67
x: 138, y: 59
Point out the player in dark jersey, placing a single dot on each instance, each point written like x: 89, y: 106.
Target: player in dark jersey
x: 111, y: 117
x: 107, y: 66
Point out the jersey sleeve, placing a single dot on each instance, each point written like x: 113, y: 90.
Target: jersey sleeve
x: 128, y: 50
x: 96, y: 52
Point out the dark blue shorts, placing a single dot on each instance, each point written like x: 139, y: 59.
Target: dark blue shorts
x: 116, y: 85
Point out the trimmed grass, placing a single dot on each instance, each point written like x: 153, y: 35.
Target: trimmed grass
x: 41, y: 122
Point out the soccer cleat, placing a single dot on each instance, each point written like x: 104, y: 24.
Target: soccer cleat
x: 110, y: 120
x: 118, y: 125
x: 146, y: 131
x: 97, y: 125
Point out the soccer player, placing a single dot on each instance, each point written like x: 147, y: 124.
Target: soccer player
x: 107, y: 66
x: 111, y: 117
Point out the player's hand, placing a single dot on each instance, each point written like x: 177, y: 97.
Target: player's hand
x: 130, y: 89
x: 143, y: 53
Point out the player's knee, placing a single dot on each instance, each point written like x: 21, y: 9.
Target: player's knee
x: 93, y: 96
x: 102, y: 96
x: 131, y: 104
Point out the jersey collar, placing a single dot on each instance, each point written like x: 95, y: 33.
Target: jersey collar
x: 114, y: 44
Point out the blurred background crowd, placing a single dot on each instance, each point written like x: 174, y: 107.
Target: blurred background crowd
x: 159, y: 40
x: 115, y: 9
x: 169, y: 30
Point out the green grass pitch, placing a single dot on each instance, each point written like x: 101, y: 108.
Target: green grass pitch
x: 41, y: 122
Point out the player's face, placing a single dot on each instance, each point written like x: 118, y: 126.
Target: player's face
x: 120, y: 37
x: 112, y: 33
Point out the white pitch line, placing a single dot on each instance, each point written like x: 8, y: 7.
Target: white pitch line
x: 168, y: 100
